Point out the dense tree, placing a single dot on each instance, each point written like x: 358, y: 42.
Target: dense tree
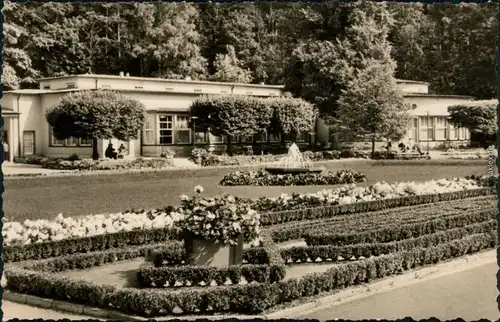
x: 477, y: 116
x: 229, y: 115
x: 228, y: 68
x: 370, y: 106
x: 96, y: 115
x: 450, y: 46
x: 292, y: 116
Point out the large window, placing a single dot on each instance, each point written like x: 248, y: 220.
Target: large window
x: 441, y: 128
x: 274, y: 137
x: 182, y: 130
x: 260, y: 137
x: 302, y: 137
x: 71, y: 142
x: 201, y: 137
x: 148, y: 132
x: 414, y: 129
x: 166, y: 129
x: 453, y: 133
x: 427, y: 128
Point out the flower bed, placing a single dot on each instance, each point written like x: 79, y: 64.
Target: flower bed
x: 205, y: 158
x: 263, y: 178
x: 323, y: 204
x: 219, y: 219
x: 95, y: 165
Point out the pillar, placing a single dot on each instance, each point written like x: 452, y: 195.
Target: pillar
x: 13, y: 139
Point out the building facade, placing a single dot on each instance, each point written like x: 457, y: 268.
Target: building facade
x: 429, y: 126
x: 167, y: 102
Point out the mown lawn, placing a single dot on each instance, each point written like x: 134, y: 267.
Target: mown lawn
x: 45, y: 197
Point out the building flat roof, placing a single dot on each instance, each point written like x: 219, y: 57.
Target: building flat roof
x: 406, y: 81
x: 437, y: 96
x: 160, y: 80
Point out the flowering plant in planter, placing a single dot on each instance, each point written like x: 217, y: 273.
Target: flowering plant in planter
x: 221, y: 219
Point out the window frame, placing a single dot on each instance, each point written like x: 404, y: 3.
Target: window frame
x: 184, y: 129
x: 159, y: 129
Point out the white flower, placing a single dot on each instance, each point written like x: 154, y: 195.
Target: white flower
x: 184, y: 197
x: 198, y: 189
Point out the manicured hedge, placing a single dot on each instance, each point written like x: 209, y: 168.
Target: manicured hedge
x: 97, y: 258
x: 396, y: 233
x: 151, y: 276
x: 273, y: 218
x: 313, y: 253
x: 381, y: 219
x: 87, y: 244
x: 175, y: 254
x: 252, y: 298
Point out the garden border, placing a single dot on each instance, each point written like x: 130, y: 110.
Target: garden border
x: 259, y: 297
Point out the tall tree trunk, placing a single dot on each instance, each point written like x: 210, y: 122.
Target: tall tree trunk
x: 229, y: 146
x: 373, y: 146
x: 95, y: 150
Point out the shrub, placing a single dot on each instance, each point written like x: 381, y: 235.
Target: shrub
x: 91, y: 165
x: 167, y: 153
x: 263, y: 178
x: 73, y: 157
x: 151, y: 276
x: 36, y: 160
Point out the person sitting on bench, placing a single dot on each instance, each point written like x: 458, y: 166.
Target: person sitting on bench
x: 122, y: 151
x: 110, y: 152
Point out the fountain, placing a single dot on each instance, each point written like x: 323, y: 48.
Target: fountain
x: 294, y: 162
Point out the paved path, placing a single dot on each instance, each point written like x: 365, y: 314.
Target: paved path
x: 13, y: 310
x: 470, y: 295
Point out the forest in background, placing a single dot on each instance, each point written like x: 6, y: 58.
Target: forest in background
x: 450, y: 46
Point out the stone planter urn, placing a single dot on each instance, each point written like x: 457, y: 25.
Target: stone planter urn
x: 204, y: 252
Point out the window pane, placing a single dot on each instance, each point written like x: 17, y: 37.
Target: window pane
x: 71, y: 142
x: 262, y: 137
x: 165, y: 121
x: 423, y: 122
x: 302, y: 137
x: 149, y: 137
x: 216, y: 139
x: 415, y: 122
x: 247, y: 139
x: 183, y: 136
x: 165, y: 140
x: 440, y: 134
x: 201, y: 137
x: 149, y: 124
x: 274, y: 137
x: 85, y: 142
x: 430, y: 134
x: 182, y: 122
x: 423, y: 134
